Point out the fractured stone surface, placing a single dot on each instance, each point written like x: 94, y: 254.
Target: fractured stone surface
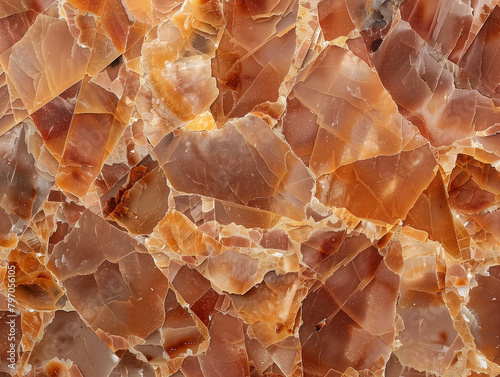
x: 250, y: 188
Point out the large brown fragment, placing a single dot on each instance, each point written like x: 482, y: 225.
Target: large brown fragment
x: 107, y: 275
x: 383, y: 188
x: 348, y: 320
x: 217, y: 164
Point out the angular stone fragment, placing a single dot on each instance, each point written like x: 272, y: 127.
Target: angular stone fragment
x: 484, y: 303
x: 253, y: 57
x: 474, y: 186
x: 431, y: 213
x: 348, y: 320
x: 382, y: 188
x: 34, y: 57
x: 356, y: 116
x: 69, y: 338
x: 107, y: 275
x: 53, y: 119
x: 35, y: 286
x: 479, y: 59
x: 142, y: 203
x: 216, y: 164
x: 22, y: 185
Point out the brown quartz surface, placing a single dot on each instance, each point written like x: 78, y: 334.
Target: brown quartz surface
x: 250, y: 188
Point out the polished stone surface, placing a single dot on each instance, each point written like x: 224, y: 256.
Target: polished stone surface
x: 261, y: 188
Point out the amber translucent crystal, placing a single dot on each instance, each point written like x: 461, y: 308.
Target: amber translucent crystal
x: 250, y: 188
